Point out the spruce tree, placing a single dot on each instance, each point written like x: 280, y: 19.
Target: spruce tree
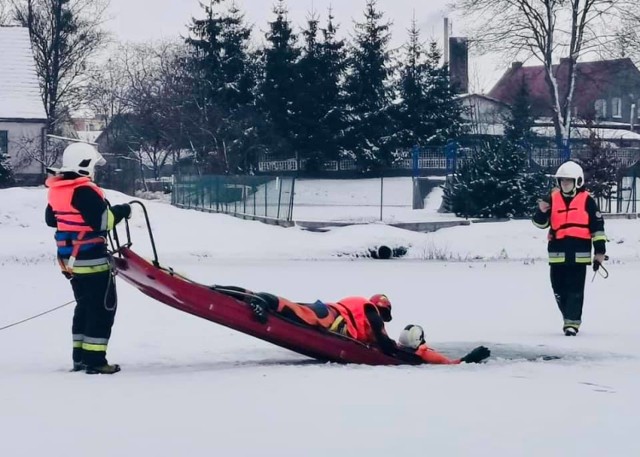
x: 320, y: 121
x: 368, y: 91
x: 280, y: 80
x: 497, y: 179
x: 333, y: 66
x: 601, y: 169
x: 428, y: 112
x: 445, y: 110
x: 221, y: 113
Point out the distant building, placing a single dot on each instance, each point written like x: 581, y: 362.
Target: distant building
x: 23, y: 120
x: 607, y: 92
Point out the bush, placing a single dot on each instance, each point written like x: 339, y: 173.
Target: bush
x: 495, y: 182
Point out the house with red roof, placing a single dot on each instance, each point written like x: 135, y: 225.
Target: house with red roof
x: 607, y: 92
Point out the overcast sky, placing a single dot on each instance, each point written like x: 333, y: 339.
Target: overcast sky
x: 143, y: 20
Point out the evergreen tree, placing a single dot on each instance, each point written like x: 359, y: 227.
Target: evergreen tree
x: 368, y: 91
x: 494, y: 182
x: 601, y: 170
x: 498, y: 180
x: 520, y: 120
x: 333, y: 66
x: 320, y: 119
x: 221, y: 112
x: 280, y: 80
x: 445, y: 110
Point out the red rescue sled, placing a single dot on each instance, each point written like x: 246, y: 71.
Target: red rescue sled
x: 206, y: 302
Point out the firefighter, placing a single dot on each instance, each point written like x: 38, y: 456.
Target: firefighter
x: 78, y: 210
x: 412, y: 340
x: 575, y: 225
x: 363, y: 319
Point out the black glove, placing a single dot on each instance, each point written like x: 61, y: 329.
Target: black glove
x: 126, y: 210
x: 259, y: 310
x: 477, y: 355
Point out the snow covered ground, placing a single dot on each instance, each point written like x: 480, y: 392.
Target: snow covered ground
x: 190, y: 387
x: 360, y: 200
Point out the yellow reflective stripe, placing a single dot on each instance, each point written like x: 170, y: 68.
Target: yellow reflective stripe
x: 336, y: 324
x: 556, y: 259
x: 94, y: 347
x: 542, y: 226
x: 599, y: 237
x: 583, y: 259
x: 77, y: 344
x: 111, y: 220
x: 89, y: 270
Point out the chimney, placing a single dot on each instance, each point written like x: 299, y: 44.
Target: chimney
x: 459, y: 63
x: 516, y: 65
x: 446, y: 40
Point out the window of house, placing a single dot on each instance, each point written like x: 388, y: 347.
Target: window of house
x: 616, y: 107
x: 601, y: 108
x: 4, y: 142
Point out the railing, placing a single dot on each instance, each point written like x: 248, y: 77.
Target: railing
x: 443, y: 158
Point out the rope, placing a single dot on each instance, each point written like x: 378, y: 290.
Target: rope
x: 37, y: 315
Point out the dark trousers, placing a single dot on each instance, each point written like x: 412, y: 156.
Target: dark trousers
x: 567, y: 281
x: 93, y: 317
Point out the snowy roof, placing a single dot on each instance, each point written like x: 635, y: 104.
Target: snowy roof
x: 19, y: 89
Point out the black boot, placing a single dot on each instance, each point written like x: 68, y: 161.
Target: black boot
x: 104, y: 369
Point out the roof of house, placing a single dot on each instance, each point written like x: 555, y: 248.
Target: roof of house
x: 19, y: 89
x: 592, y: 78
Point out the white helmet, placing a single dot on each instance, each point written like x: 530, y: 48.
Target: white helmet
x: 80, y: 158
x: 411, y: 337
x: 571, y: 170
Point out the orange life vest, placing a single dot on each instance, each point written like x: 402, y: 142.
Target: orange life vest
x: 60, y: 195
x: 433, y: 357
x: 352, y: 309
x: 570, y: 220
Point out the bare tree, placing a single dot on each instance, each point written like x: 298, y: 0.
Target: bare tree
x: 5, y: 12
x: 64, y: 36
x: 548, y: 30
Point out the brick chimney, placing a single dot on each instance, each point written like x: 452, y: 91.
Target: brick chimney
x: 459, y: 63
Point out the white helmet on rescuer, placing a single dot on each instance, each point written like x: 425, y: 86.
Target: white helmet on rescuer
x: 570, y: 170
x: 80, y: 158
x: 412, y: 337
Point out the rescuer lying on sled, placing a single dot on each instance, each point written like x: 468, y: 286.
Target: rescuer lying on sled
x: 362, y: 319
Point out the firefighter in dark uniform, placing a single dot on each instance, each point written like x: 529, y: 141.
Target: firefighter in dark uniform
x: 78, y: 210
x: 575, y: 224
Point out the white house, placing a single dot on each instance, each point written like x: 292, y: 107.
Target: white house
x: 23, y: 119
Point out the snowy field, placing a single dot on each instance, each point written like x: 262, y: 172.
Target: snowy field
x: 360, y: 201
x: 190, y: 387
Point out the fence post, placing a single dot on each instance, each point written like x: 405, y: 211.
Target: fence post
x: 279, y: 186
x: 291, y: 198
x: 450, y: 154
x: 266, y: 206
x: 381, y: 195
x: 414, y: 155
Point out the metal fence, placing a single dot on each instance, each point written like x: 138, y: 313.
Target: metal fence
x: 447, y: 158
x: 260, y: 197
